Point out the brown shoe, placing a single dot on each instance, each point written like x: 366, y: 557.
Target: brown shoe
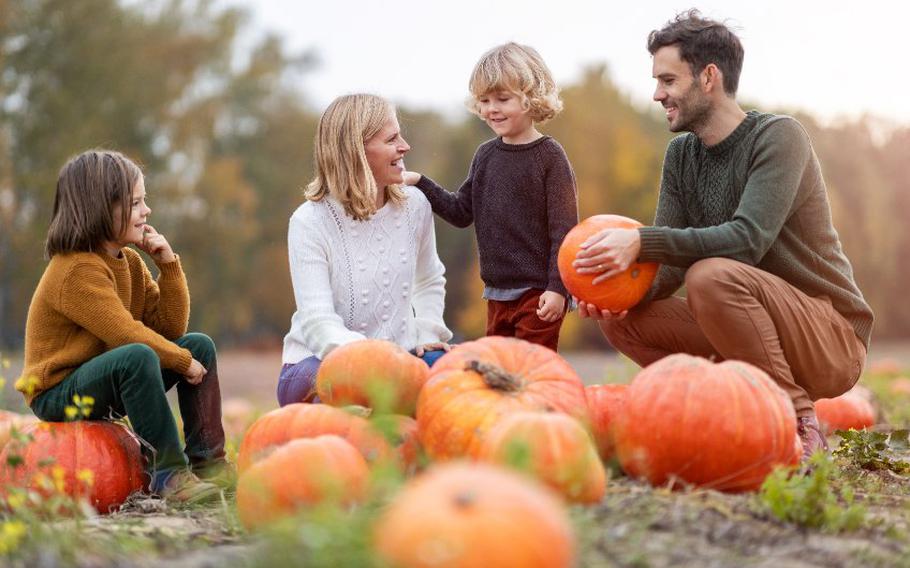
x: 183, y: 487
x: 811, y: 436
x: 222, y: 473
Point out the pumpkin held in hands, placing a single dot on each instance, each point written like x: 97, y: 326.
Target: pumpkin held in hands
x: 616, y: 294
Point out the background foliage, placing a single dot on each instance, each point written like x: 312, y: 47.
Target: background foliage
x: 224, y: 133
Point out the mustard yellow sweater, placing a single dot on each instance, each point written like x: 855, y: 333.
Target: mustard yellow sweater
x: 88, y: 303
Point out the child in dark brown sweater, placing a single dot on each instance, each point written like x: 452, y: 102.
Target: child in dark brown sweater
x: 520, y: 194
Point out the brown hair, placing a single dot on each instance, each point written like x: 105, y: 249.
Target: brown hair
x: 702, y: 41
x: 88, y: 187
x: 342, y: 169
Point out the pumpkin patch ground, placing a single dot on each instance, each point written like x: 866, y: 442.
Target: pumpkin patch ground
x: 853, y: 510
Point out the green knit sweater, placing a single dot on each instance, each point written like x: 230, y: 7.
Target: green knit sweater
x: 757, y: 197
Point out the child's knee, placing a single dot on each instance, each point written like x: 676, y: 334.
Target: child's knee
x: 200, y: 345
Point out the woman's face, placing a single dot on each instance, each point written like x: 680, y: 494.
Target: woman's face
x: 134, y: 232
x: 385, y: 151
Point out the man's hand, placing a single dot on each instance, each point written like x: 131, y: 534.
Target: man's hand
x: 195, y: 373
x: 411, y: 178
x: 610, y: 252
x: 156, y: 246
x: 551, y: 306
x: 586, y: 310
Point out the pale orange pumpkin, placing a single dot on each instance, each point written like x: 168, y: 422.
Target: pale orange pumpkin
x: 302, y: 472
x: 849, y: 410
x: 373, y: 373
x: 604, y: 403
x: 474, y: 385
x: 460, y: 515
x: 95, y: 460
x: 552, y: 447
x: 616, y: 294
x: 12, y: 420
x: 724, y: 426
x: 303, y: 420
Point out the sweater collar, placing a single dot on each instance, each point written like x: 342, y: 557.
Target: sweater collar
x: 736, y: 136
x: 116, y: 264
x: 519, y: 147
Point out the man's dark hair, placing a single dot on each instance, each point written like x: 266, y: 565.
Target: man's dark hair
x: 702, y: 41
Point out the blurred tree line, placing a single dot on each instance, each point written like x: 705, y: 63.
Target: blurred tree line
x: 224, y: 134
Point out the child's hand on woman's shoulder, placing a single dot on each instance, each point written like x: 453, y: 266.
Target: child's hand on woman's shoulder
x: 156, y: 246
x: 411, y: 178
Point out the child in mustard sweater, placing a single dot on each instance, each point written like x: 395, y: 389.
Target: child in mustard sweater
x: 99, y: 326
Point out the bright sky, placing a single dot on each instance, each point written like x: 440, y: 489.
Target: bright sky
x: 833, y: 59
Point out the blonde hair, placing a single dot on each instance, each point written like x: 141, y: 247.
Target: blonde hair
x: 518, y: 69
x: 342, y: 170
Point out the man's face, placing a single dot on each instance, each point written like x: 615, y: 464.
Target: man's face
x: 679, y: 92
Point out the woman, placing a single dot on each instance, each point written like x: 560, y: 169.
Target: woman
x: 362, y: 249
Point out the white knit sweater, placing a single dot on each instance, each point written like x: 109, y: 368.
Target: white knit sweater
x: 379, y: 278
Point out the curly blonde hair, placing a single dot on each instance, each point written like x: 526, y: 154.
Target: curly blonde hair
x: 342, y: 169
x: 517, y: 69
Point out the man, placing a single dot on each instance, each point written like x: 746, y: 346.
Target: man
x: 743, y: 221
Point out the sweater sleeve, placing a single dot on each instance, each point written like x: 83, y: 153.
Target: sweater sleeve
x: 428, y: 299
x: 455, y: 208
x: 781, y: 155
x: 167, y: 301
x: 309, y: 257
x: 562, y: 211
x: 88, y: 297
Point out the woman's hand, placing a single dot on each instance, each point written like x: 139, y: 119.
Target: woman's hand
x: 609, y: 252
x: 586, y: 310
x: 195, y: 373
x: 411, y: 178
x: 156, y: 246
x: 438, y: 346
x: 551, y: 306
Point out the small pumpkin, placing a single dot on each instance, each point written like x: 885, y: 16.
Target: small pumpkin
x: 616, y: 294
x: 604, y: 403
x: 724, y: 426
x: 12, y: 420
x: 552, y: 447
x: 305, y: 471
x: 476, y: 383
x: 461, y: 515
x: 99, y: 461
x: 849, y: 410
x: 303, y: 420
x: 373, y: 373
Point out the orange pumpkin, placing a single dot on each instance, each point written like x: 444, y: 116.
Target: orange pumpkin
x: 604, y: 403
x: 302, y: 420
x: 724, y: 426
x: 849, y: 410
x: 552, y: 447
x: 616, y: 294
x: 306, y: 471
x: 401, y: 432
x: 98, y: 461
x: 373, y: 373
x: 474, y: 385
x: 12, y: 420
x: 462, y: 515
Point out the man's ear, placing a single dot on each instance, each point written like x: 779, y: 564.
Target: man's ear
x: 711, y: 78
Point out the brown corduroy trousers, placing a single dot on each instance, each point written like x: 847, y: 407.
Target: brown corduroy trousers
x: 518, y: 318
x: 736, y: 311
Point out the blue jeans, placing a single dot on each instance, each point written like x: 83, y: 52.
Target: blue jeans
x: 297, y: 382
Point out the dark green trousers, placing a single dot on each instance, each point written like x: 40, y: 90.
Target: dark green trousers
x: 129, y: 381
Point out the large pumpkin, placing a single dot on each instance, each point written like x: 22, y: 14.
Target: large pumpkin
x: 98, y: 461
x: 554, y: 448
x: 604, y: 404
x: 724, y: 426
x: 476, y: 383
x: 462, y: 515
x: 849, y: 410
x: 616, y: 294
x: 302, y: 420
x: 373, y: 373
x: 307, y: 471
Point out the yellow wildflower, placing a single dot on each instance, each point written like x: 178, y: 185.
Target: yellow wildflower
x: 86, y: 476
x: 71, y: 412
x: 11, y: 533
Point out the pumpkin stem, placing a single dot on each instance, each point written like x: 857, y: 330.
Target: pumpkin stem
x: 494, y: 376
x: 464, y: 500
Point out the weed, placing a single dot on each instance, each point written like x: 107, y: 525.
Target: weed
x: 874, y: 450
